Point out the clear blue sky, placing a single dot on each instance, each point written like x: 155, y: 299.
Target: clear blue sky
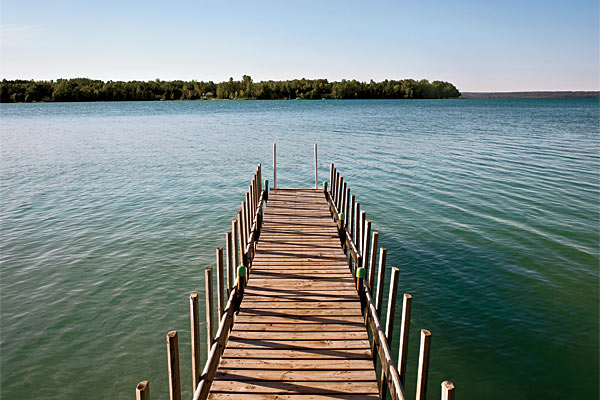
x: 477, y: 45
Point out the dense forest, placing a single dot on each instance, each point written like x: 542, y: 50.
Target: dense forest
x: 84, y: 89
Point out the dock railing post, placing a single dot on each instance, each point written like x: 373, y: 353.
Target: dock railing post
x: 423, y: 371
x: 403, y: 346
x: 195, y: 336
x: 380, y: 278
x: 274, y: 166
x: 220, y: 283
x: 230, y: 267
x: 365, y: 246
x: 173, y: 359
x: 447, y: 390
x: 142, y: 391
x: 372, y: 261
x: 235, y: 237
x: 316, y: 169
x: 391, y: 307
x: 209, y: 309
x: 331, y: 172
x: 356, y: 227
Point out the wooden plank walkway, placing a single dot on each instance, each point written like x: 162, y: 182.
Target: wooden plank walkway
x: 300, y: 333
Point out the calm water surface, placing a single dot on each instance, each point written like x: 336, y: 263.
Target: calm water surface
x: 111, y: 211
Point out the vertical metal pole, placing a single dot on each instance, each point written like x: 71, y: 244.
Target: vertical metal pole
x: 274, y: 166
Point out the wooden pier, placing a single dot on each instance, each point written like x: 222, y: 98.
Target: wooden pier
x: 298, y: 314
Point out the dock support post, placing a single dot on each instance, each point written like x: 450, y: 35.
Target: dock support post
x: 447, y: 390
x: 365, y: 246
x: 209, y: 308
x: 230, y: 267
x: 403, y: 347
x: 316, y: 169
x: 391, y: 307
x: 389, y: 324
x: 357, y: 227
x: 241, y: 236
x: 343, y: 200
x: 351, y: 224
x: 241, y: 283
x: 220, y: 283
x: 173, y: 359
x: 274, y: 166
x: 195, y: 333
x: 331, y: 173
x: 347, y: 208
x: 423, y: 370
x: 380, y: 278
x: 236, y: 241
x: 372, y: 261
x: 142, y: 391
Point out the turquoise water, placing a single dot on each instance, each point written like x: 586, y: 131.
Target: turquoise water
x: 490, y: 208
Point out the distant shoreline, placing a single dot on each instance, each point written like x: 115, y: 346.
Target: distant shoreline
x: 531, y: 95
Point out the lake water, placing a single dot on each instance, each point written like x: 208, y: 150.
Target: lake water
x: 489, y: 208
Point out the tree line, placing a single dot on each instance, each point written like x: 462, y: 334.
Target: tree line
x: 84, y: 89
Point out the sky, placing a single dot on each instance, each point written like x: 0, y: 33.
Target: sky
x: 499, y: 45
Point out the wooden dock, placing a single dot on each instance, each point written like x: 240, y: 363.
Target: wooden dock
x: 300, y: 328
x: 298, y: 316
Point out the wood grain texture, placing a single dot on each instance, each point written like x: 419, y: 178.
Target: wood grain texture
x: 300, y: 332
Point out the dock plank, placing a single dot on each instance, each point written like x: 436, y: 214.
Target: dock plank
x: 300, y: 332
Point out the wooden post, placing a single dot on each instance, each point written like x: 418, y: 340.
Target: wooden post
x: 220, y: 283
x: 248, y: 219
x: 259, y: 176
x: 363, y: 223
x: 274, y: 166
x: 337, y: 188
x: 423, y: 370
x: 372, y: 261
x: 241, y: 283
x: 365, y: 246
x: 332, y: 183
x: 360, y: 281
x: 343, y: 197
x: 357, y: 226
x: 230, y: 266
x: 209, y: 308
x: 195, y: 332
x: 347, y: 208
x: 235, y: 237
x: 391, y: 307
x: 403, y: 347
x: 244, y: 230
x: 142, y: 391
x: 331, y: 168
x: 340, y: 191
x: 316, y: 169
x: 447, y: 390
x: 380, y: 277
x: 251, y: 202
x: 334, y: 188
x: 351, y: 216
x: 173, y: 360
